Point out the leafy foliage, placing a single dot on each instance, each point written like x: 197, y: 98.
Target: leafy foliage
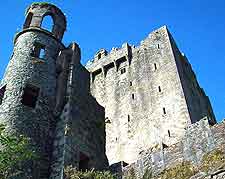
x: 13, y: 151
x: 72, y: 173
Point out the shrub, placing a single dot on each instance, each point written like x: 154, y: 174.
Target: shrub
x: 72, y: 173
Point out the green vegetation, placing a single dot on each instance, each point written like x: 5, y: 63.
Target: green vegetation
x: 213, y: 160
x: 147, y: 174
x: 13, y: 151
x: 72, y: 173
x: 184, y: 170
x: 130, y: 174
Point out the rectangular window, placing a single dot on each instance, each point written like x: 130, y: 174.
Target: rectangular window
x: 38, y: 51
x: 30, y: 96
x: 164, y: 110
x: 2, y: 92
x: 130, y: 83
x: 132, y: 96
x: 123, y: 70
x: 128, y: 118
x: 83, y: 162
x: 155, y: 66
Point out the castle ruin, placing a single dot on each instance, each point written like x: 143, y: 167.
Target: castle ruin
x: 121, y: 103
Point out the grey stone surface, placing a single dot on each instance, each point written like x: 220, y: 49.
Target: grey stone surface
x: 135, y: 104
x: 152, y: 102
x: 193, y: 146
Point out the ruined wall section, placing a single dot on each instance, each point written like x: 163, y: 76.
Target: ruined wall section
x: 80, y: 130
x: 198, y: 103
x: 199, y: 141
x: 86, y: 125
x: 142, y: 95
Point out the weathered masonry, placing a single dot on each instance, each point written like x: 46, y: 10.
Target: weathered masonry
x: 150, y: 94
x: 120, y: 104
x: 44, y: 95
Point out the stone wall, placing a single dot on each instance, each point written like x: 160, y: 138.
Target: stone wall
x: 199, y: 141
x: 144, y: 96
x: 80, y: 130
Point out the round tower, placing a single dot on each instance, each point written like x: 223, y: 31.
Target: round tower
x: 28, y: 89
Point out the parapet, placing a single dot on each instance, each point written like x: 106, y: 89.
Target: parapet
x: 103, y: 60
x: 38, y: 11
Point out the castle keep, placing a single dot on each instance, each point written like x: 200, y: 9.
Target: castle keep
x: 121, y: 103
x: 150, y: 94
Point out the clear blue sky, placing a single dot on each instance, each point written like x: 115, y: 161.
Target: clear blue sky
x: 198, y: 27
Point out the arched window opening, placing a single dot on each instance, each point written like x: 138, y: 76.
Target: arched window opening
x: 47, y: 23
x: 28, y: 20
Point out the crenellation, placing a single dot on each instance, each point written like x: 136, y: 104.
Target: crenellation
x: 132, y: 107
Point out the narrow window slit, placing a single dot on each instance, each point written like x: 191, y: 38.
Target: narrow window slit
x: 132, y: 96
x: 155, y: 66
x: 169, y: 133
x: 160, y: 89
x: 164, y: 110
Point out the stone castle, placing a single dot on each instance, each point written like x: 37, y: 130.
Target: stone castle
x: 120, y: 104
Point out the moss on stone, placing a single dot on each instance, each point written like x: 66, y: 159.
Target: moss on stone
x: 148, y: 174
x: 184, y: 170
x: 213, y: 160
x: 130, y: 174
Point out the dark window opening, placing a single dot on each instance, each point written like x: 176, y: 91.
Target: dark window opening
x: 95, y: 74
x: 47, y: 23
x: 38, y: 51
x: 2, y: 92
x: 124, y: 164
x: 160, y: 89
x: 120, y: 61
x: 131, y: 83
x: 155, y: 66
x: 164, y: 110
x: 83, y: 162
x: 30, y: 96
x: 99, y: 56
x: 158, y: 46
x: 164, y: 146
x: 128, y: 118
x: 132, y: 96
x: 108, y: 67
x: 123, y: 70
x: 169, y: 133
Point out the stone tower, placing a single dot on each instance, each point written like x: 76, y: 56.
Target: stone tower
x: 150, y: 94
x: 29, y: 85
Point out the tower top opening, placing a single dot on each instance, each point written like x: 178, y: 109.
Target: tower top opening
x: 36, y: 14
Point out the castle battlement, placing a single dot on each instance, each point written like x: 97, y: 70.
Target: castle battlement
x: 103, y: 59
x: 122, y: 103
